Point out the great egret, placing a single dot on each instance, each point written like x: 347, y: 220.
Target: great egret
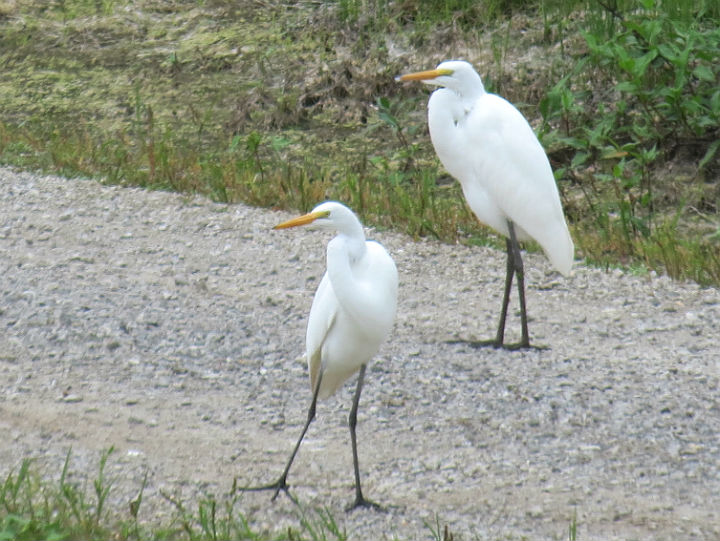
x: 351, y: 315
x: 489, y: 147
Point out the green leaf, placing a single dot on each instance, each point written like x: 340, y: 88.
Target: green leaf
x: 704, y: 73
x: 384, y: 113
x: 627, y: 86
x: 715, y: 103
x: 711, y: 151
x: 567, y: 99
x: 668, y: 52
x: 644, y: 61
x: 278, y: 143
x: 579, y: 159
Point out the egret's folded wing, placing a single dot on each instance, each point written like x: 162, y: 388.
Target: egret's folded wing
x: 322, y: 317
x: 516, y: 173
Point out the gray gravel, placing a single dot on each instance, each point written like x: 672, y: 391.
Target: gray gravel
x: 170, y: 327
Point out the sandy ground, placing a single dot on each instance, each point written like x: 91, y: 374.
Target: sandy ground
x: 170, y: 328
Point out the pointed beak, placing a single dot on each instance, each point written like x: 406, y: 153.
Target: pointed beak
x: 423, y: 75
x: 303, y: 220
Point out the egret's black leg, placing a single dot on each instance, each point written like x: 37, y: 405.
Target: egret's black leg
x: 509, y: 271
x: 499, y: 340
x: 519, y: 268
x: 515, y: 268
x: 520, y: 275
x: 281, y: 484
x: 360, y: 500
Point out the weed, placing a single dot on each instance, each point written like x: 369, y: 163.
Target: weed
x: 438, y: 533
x: 572, y: 529
x: 319, y: 525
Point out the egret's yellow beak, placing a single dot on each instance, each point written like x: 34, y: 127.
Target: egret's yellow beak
x: 424, y: 75
x: 303, y: 220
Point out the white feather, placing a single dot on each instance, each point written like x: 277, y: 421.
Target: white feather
x: 488, y: 145
x: 354, y: 306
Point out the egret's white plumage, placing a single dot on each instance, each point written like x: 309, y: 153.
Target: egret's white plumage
x: 351, y: 315
x: 489, y: 147
x: 353, y: 309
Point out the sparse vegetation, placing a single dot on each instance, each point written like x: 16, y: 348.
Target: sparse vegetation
x: 32, y: 507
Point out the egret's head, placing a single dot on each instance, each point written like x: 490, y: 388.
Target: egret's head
x: 456, y: 75
x: 328, y: 215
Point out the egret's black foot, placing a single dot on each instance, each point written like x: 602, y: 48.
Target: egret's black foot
x: 361, y: 502
x: 277, y: 486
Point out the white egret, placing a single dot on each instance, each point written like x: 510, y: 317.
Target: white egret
x: 351, y: 315
x: 489, y: 147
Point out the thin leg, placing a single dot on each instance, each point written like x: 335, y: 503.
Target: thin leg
x: 510, y: 270
x: 360, y: 500
x: 520, y: 274
x: 499, y: 340
x: 281, y: 484
x: 514, y: 267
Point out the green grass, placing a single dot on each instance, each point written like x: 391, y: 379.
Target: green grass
x: 75, y: 505
x: 288, y: 105
x: 34, y: 507
x: 654, y: 106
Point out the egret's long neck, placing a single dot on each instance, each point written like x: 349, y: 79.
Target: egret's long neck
x: 353, y: 246
x: 351, y: 232
x: 342, y: 253
x: 446, y: 117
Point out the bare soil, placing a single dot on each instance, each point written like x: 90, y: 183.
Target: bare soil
x: 170, y: 327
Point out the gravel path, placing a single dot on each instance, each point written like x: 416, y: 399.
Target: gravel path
x: 170, y: 327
